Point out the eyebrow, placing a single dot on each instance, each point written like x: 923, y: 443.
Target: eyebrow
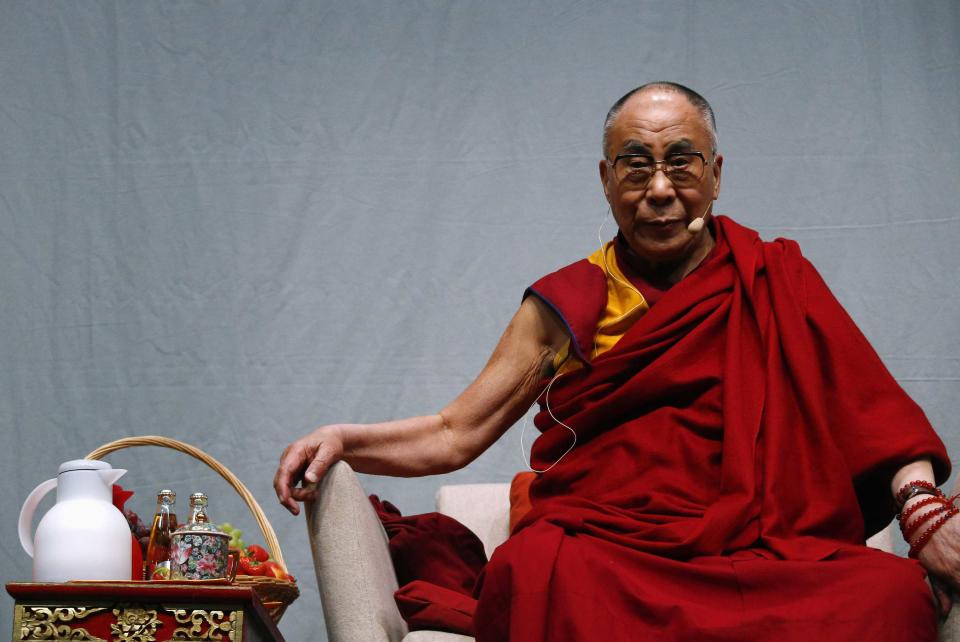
x: 631, y: 146
x: 682, y: 145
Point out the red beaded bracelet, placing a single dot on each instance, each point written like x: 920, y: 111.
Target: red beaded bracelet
x: 924, y: 539
x: 909, y: 530
x: 905, y: 515
x: 914, y: 488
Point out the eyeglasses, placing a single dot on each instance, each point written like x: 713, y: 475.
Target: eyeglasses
x: 684, y: 169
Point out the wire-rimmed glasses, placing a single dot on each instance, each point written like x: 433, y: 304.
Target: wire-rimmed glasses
x: 684, y: 169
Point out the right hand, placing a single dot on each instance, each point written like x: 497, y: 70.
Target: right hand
x: 303, y: 463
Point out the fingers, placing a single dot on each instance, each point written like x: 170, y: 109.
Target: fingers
x: 322, y: 460
x: 304, y: 494
x: 291, y: 505
x: 303, y: 462
x: 292, y: 461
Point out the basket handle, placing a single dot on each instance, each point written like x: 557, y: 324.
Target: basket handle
x: 166, y: 442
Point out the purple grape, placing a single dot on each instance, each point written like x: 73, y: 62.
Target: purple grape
x: 133, y: 520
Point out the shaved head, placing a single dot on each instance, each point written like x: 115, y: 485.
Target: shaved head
x: 698, y: 101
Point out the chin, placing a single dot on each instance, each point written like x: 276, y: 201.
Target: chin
x: 658, y: 251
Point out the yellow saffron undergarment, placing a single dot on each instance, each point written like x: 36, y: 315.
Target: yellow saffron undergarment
x: 625, y: 305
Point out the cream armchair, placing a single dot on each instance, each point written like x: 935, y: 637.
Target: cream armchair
x: 355, y: 575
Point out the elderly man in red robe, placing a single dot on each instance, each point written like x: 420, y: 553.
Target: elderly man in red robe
x: 718, y: 438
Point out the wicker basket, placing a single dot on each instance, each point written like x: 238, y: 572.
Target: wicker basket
x: 276, y: 594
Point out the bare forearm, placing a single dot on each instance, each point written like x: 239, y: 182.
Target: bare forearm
x: 448, y: 440
x: 410, y: 447
x: 920, y: 470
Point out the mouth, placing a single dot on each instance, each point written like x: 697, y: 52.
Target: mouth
x: 660, y: 228
x: 662, y: 223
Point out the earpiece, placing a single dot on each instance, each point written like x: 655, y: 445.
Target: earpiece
x: 523, y: 429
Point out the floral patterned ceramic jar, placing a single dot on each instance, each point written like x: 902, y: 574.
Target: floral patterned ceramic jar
x: 199, y: 551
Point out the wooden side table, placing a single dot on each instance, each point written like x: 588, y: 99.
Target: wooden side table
x: 138, y: 612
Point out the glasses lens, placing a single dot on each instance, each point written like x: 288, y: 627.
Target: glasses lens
x: 684, y: 169
x: 635, y: 170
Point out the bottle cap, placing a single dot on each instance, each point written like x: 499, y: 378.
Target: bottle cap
x: 199, y: 522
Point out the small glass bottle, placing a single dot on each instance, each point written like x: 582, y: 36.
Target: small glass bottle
x: 157, y: 562
x: 198, y: 509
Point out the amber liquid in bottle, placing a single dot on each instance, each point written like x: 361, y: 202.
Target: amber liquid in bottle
x: 157, y: 562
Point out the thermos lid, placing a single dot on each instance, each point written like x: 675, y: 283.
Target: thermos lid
x: 83, y: 464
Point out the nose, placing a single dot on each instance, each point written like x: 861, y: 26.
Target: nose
x: 660, y: 188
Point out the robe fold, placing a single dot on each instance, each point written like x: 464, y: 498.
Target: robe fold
x: 734, y: 448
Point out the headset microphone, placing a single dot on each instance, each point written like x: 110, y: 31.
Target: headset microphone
x: 696, y: 225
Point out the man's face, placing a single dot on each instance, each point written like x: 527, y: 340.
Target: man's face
x: 654, y: 218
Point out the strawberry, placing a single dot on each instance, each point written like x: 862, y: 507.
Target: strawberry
x: 258, y: 552
x: 273, y: 569
x: 250, y: 566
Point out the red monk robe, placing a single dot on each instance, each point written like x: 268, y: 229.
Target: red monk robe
x: 734, y: 449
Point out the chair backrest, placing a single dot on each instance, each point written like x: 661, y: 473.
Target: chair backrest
x: 483, y: 508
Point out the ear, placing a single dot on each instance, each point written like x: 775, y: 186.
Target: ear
x: 717, y: 167
x: 604, y: 169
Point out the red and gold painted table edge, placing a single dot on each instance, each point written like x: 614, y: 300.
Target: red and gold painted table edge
x: 139, y: 612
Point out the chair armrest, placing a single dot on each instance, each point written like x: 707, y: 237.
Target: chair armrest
x: 352, y: 560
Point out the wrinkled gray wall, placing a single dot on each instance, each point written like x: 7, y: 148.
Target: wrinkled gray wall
x: 228, y: 222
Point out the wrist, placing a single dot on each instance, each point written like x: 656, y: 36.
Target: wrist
x: 924, y: 509
x: 920, y: 504
x: 914, y: 489
x: 921, y: 536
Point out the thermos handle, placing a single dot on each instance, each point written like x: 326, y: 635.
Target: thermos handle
x: 29, y: 508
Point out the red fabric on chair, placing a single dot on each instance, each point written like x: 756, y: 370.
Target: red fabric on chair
x: 428, y: 607
x: 432, y: 547
x: 437, y: 561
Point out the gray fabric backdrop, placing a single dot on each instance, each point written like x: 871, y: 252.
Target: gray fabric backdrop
x: 228, y: 222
